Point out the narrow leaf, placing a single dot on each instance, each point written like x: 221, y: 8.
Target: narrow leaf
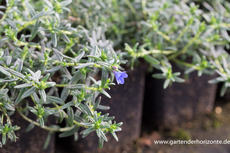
x: 29, y: 92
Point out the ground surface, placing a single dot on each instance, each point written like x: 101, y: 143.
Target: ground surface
x: 214, y: 126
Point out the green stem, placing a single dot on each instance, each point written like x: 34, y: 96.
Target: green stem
x: 66, y: 116
x: 8, y: 118
x: 5, y: 14
x: 93, y: 88
x: 186, y: 64
x: 186, y: 47
x: 61, y: 85
x: 20, y: 43
x: 164, y: 35
x: 26, y: 25
x: 4, y: 85
x: 181, y: 34
x: 46, y: 127
x: 76, y: 64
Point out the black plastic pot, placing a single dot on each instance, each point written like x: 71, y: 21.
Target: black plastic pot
x: 126, y: 106
x: 28, y: 142
x: 165, y: 108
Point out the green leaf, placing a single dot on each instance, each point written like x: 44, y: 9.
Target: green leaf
x: 4, y: 71
x: 11, y: 23
x: 65, y: 3
x: 41, y: 121
x: 38, y: 15
x: 76, y: 77
x: 35, y: 29
x: 48, y: 3
x: 104, y: 77
x: 103, y: 135
x: 30, y: 127
x: 47, y: 142
x: 158, y: 76
x: 69, y: 133
x: 97, y: 103
x: 61, y: 116
x: 65, y: 93
x: 151, y: 60
x: 179, y: 80
x: 105, y: 93
x: 18, y: 74
x: 8, y: 107
x: 11, y: 80
x: 3, y: 138
x: 101, y: 107
x: 76, y: 59
x: 94, y: 57
x: 54, y: 39
x: 103, y: 64
x: 67, y: 105
x: 114, y: 135
x: 46, y: 77
x: 87, y: 132
x: 101, y: 142
x: 54, y: 69
x: 223, y: 89
x: 19, y: 99
x: 24, y: 85
x: 166, y: 83
x: 77, y: 86
x: 75, y: 136
x: 70, y: 115
x: 191, y: 69
x: 42, y: 94
x: 31, y: 9
x: 51, y: 99
x: 29, y: 92
x: 65, y: 38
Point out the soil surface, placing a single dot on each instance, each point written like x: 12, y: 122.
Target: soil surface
x: 213, y: 126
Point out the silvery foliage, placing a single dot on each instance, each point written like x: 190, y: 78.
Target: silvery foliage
x: 191, y: 34
x: 47, y: 68
x: 119, y: 17
x: 181, y: 33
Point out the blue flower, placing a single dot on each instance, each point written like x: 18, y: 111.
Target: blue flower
x: 120, y: 77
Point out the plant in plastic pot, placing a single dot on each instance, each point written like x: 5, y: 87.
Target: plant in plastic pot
x: 180, y: 34
x: 47, y: 68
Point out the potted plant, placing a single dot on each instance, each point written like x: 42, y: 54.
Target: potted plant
x: 178, y: 33
x: 105, y: 16
x: 47, y: 69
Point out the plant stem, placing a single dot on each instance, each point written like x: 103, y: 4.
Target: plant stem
x: 26, y: 25
x: 46, y: 127
x: 20, y: 43
x: 181, y: 34
x: 66, y: 116
x: 61, y: 85
x: 186, y: 64
x: 8, y: 118
x: 76, y: 64
x: 186, y: 47
x: 5, y: 14
x: 164, y: 36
